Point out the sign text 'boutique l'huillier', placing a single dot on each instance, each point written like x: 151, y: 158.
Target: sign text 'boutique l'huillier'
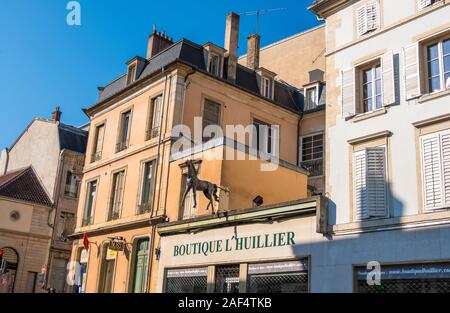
x: 235, y: 244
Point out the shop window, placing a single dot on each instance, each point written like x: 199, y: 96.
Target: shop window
x: 191, y: 280
x: 140, y: 266
x: 280, y: 277
x: 227, y: 279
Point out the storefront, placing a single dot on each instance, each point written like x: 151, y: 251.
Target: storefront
x: 259, y: 250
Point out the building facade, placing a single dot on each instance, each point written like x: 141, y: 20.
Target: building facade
x: 147, y: 125
x: 56, y: 153
x: 387, y: 155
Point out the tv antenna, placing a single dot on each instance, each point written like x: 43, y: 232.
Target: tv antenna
x: 258, y: 13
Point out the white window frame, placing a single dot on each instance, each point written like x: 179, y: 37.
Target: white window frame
x: 443, y: 84
x: 372, y: 68
x: 267, y: 87
x: 274, y: 137
x: 211, y: 57
x: 131, y: 73
x: 94, y: 200
x: 316, y: 96
x: 323, y: 150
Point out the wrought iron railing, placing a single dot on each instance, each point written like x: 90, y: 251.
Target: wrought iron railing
x: 315, y: 167
x: 152, y: 133
x: 87, y: 221
x: 144, y: 208
x: 121, y: 145
x: 96, y: 156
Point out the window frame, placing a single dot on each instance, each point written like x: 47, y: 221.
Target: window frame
x: 273, y: 138
x: 120, y: 145
x: 90, y: 219
x: 425, y: 78
x: 112, y: 194
x: 267, y: 82
x: 211, y: 57
x: 77, y: 186
x: 206, y: 99
x: 306, y: 90
x: 372, y: 66
x: 131, y: 73
x: 301, y: 161
x: 141, y: 185
x: 151, y: 118
x: 96, y: 154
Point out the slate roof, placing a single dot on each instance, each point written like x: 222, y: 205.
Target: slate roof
x: 24, y: 185
x: 192, y: 54
x: 72, y: 138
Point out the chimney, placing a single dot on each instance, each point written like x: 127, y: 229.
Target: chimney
x: 231, y: 43
x: 253, y: 44
x: 157, y: 42
x: 56, y: 115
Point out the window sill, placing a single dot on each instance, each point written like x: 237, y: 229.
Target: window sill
x: 365, y: 116
x: 433, y: 95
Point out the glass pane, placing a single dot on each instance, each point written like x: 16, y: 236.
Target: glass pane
x: 379, y: 102
x: 433, y: 52
x: 367, y: 76
x: 378, y: 87
x: 378, y: 71
x: 227, y: 279
x: 447, y: 63
x: 447, y: 80
x: 446, y: 46
x: 433, y: 68
x: 435, y: 84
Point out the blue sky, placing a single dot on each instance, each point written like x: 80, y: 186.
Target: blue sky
x: 45, y: 63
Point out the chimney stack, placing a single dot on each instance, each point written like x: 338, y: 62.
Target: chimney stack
x: 231, y: 43
x: 253, y: 45
x: 157, y: 42
x: 56, y: 115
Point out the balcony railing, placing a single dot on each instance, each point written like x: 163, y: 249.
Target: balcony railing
x: 71, y: 191
x: 144, y: 208
x: 87, y: 221
x: 96, y: 156
x: 152, y: 133
x: 113, y: 215
x: 121, y: 146
x: 315, y: 167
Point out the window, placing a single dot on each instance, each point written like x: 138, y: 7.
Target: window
x: 312, y: 154
x: 369, y: 181
x: 147, y: 188
x: 72, y: 185
x: 214, y: 64
x: 189, y: 280
x: 227, y: 279
x: 140, y: 266
x: 98, y: 143
x: 211, y: 116
x: 65, y: 226
x: 266, y: 139
x: 312, y: 98
x: 367, y: 18
x: 267, y: 87
x: 425, y: 3
x: 436, y: 170
x: 372, y: 96
x: 131, y: 74
x: 188, y: 211
x: 438, y: 65
x: 125, y: 122
x: 116, y: 195
x: 154, y: 118
x: 90, y: 202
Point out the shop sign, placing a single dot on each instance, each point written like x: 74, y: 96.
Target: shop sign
x: 417, y: 271
x: 188, y: 272
x: 116, y: 245
x: 111, y: 254
x: 234, y: 243
x: 278, y: 267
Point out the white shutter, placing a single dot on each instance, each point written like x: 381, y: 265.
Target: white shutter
x: 362, y: 20
x: 372, y: 16
x: 275, y: 140
x: 411, y: 65
x: 424, y: 3
x: 387, y: 68
x: 445, y: 147
x: 376, y: 181
x: 348, y: 93
x: 431, y: 169
x: 360, y: 186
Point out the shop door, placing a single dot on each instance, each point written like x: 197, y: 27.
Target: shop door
x: 227, y: 279
x: 109, y: 274
x: 140, y: 267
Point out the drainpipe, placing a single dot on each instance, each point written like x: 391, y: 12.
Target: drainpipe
x: 153, y: 227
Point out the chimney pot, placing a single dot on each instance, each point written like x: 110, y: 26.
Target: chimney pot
x: 56, y: 115
x: 231, y: 43
x: 157, y: 42
x: 253, y: 47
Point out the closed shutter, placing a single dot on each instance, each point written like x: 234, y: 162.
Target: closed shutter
x: 376, y: 181
x: 411, y: 65
x: 445, y: 146
x: 275, y: 140
x: 362, y: 20
x: 156, y: 112
x: 387, y: 67
x: 424, y: 3
x: 100, y: 134
x: 360, y: 187
x: 431, y: 168
x: 372, y: 16
x: 348, y: 93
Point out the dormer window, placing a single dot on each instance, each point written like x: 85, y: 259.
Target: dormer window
x: 131, y: 74
x: 311, y: 92
x: 214, y: 64
x: 267, y: 87
x: 214, y: 56
x: 266, y: 80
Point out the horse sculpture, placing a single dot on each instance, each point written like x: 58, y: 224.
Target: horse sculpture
x: 195, y: 184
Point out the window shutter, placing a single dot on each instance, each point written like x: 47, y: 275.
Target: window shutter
x: 424, y: 3
x: 387, y: 67
x: 211, y: 113
x: 362, y: 20
x: 348, y: 93
x: 100, y: 135
x: 411, y: 64
x: 156, y: 112
x: 372, y: 16
x: 376, y: 181
x: 275, y: 140
x: 431, y: 168
x: 445, y: 147
x: 359, y: 172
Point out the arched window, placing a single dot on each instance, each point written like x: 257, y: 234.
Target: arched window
x: 8, y: 279
x: 140, y: 265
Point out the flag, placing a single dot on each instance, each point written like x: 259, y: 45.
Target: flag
x: 85, y: 242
